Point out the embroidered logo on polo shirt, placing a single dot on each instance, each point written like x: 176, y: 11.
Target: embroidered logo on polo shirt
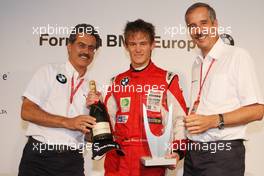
x: 124, y: 81
x: 61, y: 78
x: 227, y: 39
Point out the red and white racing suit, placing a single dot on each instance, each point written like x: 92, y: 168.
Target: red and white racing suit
x: 157, y: 89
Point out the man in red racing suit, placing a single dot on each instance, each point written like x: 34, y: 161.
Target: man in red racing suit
x: 143, y: 83
x: 157, y: 89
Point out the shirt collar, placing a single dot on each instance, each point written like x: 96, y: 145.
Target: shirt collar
x: 72, y: 72
x: 214, y: 53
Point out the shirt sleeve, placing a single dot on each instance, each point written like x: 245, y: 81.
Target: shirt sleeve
x: 39, y: 86
x: 248, y: 87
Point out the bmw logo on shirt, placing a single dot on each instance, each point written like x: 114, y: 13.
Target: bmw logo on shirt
x: 227, y: 39
x: 61, y: 78
x: 124, y: 81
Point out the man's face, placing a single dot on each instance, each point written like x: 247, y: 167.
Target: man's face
x: 202, y: 30
x: 81, y: 52
x: 139, y: 47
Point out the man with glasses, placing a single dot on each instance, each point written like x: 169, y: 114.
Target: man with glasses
x: 55, y: 107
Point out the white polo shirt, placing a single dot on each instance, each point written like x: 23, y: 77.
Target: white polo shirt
x: 50, y: 89
x: 231, y: 83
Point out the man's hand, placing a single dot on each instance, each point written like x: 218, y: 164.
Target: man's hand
x: 93, y: 98
x: 173, y: 155
x: 196, y: 123
x: 80, y: 123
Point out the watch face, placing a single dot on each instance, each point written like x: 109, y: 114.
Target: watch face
x: 221, y: 125
x: 221, y: 122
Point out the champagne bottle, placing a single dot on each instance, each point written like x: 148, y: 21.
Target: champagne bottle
x: 102, y: 130
x: 101, y: 135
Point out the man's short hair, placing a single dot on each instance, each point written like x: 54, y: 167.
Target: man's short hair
x: 211, y: 11
x: 85, y: 29
x: 139, y: 26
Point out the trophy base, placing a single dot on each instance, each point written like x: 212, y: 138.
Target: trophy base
x: 149, y: 161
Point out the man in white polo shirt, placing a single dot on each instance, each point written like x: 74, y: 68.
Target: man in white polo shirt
x: 54, y: 104
x: 225, y: 96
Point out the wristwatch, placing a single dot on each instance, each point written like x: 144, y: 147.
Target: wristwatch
x: 221, y: 123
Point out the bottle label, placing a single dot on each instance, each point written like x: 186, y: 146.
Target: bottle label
x: 101, y: 128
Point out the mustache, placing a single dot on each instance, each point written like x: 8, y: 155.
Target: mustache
x: 83, y: 54
x: 197, y: 36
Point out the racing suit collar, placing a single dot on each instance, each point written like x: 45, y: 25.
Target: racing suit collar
x: 148, y: 67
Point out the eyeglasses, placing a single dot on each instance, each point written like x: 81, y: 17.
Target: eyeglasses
x: 83, y: 46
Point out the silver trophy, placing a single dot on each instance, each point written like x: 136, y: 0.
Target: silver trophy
x: 158, y: 145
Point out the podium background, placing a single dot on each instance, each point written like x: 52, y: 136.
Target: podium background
x: 22, y: 55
